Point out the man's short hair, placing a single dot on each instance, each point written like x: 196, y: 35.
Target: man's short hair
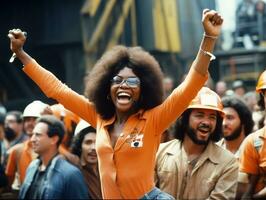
x: 55, y: 126
x: 16, y: 114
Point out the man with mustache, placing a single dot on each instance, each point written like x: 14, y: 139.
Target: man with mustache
x: 237, y: 124
x: 192, y: 166
x: 83, y: 146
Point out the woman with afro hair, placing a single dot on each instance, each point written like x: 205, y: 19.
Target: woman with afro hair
x: 125, y: 105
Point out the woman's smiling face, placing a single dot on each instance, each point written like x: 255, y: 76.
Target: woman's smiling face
x: 125, y: 90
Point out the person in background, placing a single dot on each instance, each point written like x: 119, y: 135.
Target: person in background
x: 83, y: 146
x: 209, y: 83
x: 192, y: 166
x: 70, y: 121
x: 2, y: 136
x: 14, y: 133
x: 125, y: 105
x: 21, y: 155
x: 237, y: 124
x: 51, y: 176
x: 252, y: 171
x: 3, y: 178
x: 220, y: 88
x: 250, y: 98
x: 239, y: 88
x: 14, y: 129
x: 168, y: 85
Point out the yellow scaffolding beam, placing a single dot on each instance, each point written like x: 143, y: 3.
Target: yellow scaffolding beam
x: 166, y: 30
x: 120, y: 24
x: 100, y: 29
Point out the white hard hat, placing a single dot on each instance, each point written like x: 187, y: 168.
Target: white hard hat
x: 80, y: 126
x: 34, y: 109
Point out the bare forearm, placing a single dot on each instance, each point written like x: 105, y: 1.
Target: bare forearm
x: 24, y: 57
x: 212, y: 23
x: 202, y: 61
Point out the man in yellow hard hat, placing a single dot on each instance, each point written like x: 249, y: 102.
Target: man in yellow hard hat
x: 192, y: 166
x: 252, y: 168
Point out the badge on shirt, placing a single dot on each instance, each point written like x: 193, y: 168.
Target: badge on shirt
x: 135, y: 140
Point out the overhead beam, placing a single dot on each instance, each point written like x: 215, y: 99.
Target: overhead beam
x: 120, y: 24
x: 91, y: 44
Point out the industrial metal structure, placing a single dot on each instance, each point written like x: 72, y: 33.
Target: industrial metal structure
x: 67, y: 37
x: 171, y: 31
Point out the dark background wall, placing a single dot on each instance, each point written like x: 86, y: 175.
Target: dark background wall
x: 54, y: 40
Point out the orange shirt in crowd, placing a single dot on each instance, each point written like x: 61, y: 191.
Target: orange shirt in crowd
x: 127, y: 170
x: 20, y: 157
x: 253, y: 157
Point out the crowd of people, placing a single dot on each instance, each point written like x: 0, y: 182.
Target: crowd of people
x: 111, y: 142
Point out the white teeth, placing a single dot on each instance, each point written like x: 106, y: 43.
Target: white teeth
x: 123, y: 94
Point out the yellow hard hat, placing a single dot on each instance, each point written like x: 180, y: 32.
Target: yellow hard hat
x: 207, y: 99
x: 261, y: 84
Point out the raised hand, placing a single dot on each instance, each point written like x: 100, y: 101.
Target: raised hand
x: 212, y: 22
x: 17, y: 39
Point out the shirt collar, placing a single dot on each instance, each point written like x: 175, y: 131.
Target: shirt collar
x: 262, y: 133
x: 140, y: 114
x: 208, y: 153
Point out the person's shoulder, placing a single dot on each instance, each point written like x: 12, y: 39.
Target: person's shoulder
x: 65, y: 165
x: 258, y: 133
x: 169, y: 144
x: 16, y: 148
x: 254, y: 140
x: 34, y: 163
x: 220, y: 142
x: 222, y: 155
x: 256, y: 137
x: 168, y: 148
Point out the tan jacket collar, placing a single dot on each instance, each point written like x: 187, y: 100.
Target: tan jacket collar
x: 209, y: 152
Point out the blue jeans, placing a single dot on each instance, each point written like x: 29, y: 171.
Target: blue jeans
x: 156, y: 193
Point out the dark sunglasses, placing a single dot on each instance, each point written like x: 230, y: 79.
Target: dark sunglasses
x: 132, y: 82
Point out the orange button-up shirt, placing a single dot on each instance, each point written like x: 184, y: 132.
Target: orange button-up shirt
x: 127, y: 170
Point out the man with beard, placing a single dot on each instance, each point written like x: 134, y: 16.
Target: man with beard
x: 237, y: 124
x: 192, y: 166
x: 13, y: 133
x: 252, y: 168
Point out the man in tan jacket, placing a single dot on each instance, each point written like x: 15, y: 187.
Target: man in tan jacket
x: 193, y: 166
